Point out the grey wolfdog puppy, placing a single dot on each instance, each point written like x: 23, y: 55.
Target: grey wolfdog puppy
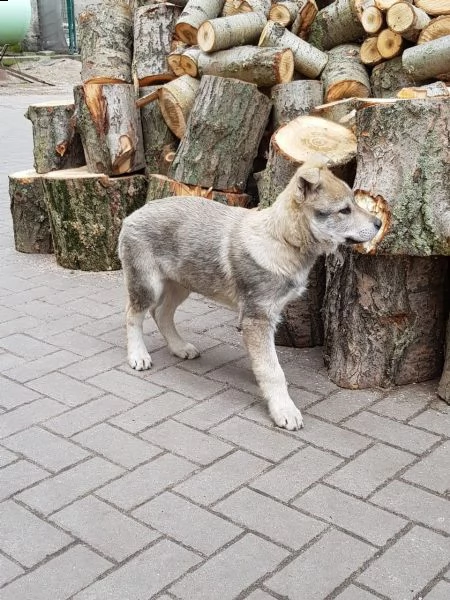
x: 254, y: 261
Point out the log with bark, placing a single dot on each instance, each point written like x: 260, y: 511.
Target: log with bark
x: 189, y: 61
x: 56, y: 144
x: 306, y: 14
x: 294, y: 99
x: 176, y: 100
x: 344, y: 111
x: 110, y: 127
x: 235, y: 7
x: 228, y: 32
x: 428, y: 60
x: 106, y: 42
x: 389, y: 77
x: 344, y: 75
x: 369, y: 53
x: 372, y: 18
x: 86, y: 211
x: 336, y: 24
x: 434, y: 7
x: 218, y: 129
x: 174, y: 59
x: 407, y: 20
x: 389, y: 44
x: 444, y: 384
x: 436, y: 28
x: 29, y: 214
x: 438, y: 89
x: 298, y: 15
x: 195, y: 13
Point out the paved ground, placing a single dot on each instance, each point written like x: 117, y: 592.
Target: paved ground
x: 173, y: 484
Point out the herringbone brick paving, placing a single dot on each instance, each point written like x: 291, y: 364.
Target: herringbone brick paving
x: 173, y: 483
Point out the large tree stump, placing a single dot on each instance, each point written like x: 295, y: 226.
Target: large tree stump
x: 227, y: 120
x: 195, y: 13
x: 336, y: 24
x: 291, y: 100
x: 29, y: 214
x: 227, y: 32
x: 56, y: 144
x: 345, y: 76
x: 444, y: 384
x: 428, y: 60
x: 106, y: 42
x: 86, y: 211
x: 388, y: 78
x: 110, y: 127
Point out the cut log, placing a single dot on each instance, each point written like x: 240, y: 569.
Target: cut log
x: 384, y: 319
x: 29, y: 214
x: 344, y: 111
x: 444, y: 384
x: 56, y: 144
x: 407, y: 185
x: 308, y: 60
x: 176, y: 100
x: 407, y: 20
x: 110, y: 127
x: 390, y: 77
x: 235, y: 7
x: 372, y: 19
x: 436, y: 28
x: 160, y: 144
x: 345, y: 76
x: 389, y: 43
x: 434, y: 7
x: 336, y: 24
x: 195, y: 14
x: 264, y: 67
x: 385, y: 5
x: 86, y: 211
x: 428, y: 60
x: 174, y: 59
x: 227, y: 32
x: 163, y: 187
x: 106, y: 41
x: 294, y: 99
x: 227, y: 120
x: 285, y: 12
x: 369, y: 53
x: 306, y: 14
x: 438, y: 89
x: 189, y: 61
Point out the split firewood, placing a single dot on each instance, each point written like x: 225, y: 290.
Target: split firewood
x: 189, y: 61
x: 195, y: 13
x: 390, y: 77
x: 306, y: 14
x: 385, y: 5
x: 407, y: 20
x: 434, y: 7
x: 444, y: 384
x: 291, y: 100
x: 110, y: 127
x: 369, y: 53
x: 264, y: 67
x: 308, y: 60
x: 428, y: 60
x: 56, y: 144
x: 106, y: 42
x: 372, y: 18
x: 344, y: 75
x: 176, y: 100
x: 235, y: 7
x: 438, y: 89
x: 174, y: 59
x: 336, y: 24
x: 286, y: 12
x: 86, y: 212
x: 31, y: 225
x: 219, y: 129
x: 436, y: 28
x: 389, y: 43
x: 228, y: 32
x: 344, y: 111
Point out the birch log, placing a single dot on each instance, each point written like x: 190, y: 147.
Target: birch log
x: 428, y: 60
x: 189, y: 61
x: 228, y: 32
x: 407, y: 20
x: 195, y: 13
x: 389, y: 77
x: 294, y: 99
x: 336, y: 24
x: 174, y: 59
x: 344, y: 75
x: 235, y: 7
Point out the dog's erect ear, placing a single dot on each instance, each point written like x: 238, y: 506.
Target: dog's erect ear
x: 310, y: 174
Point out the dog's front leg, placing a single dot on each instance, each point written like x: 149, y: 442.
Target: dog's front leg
x: 259, y: 339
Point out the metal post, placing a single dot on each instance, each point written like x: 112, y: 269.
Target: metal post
x: 71, y: 26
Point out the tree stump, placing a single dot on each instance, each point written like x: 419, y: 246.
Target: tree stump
x: 444, y: 384
x: 428, y: 60
x: 227, y: 120
x: 194, y: 14
x: 291, y: 100
x: 228, y: 32
x: 56, y: 144
x: 345, y: 76
x: 110, y: 127
x: 336, y: 24
x: 29, y: 214
x: 86, y: 211
x: 388, y: 78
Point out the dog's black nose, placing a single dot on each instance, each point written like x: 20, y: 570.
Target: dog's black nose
x: 378, y: 223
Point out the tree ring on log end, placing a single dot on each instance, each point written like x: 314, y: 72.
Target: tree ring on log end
x: 377, y: 206
x: 187, y: 33
x: 285, y: 66
x: 346, y: 89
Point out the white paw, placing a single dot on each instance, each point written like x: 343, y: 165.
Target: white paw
x: 186, y: 351
x: 141, y: 361
x: 287, y: 416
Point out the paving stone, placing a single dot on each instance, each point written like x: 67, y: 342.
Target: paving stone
x: 405, y: 401
x: 355, y: 593
x: 209, y: 320
x: 27, y: 415
x: 161, y: 359
x: 14, y: 395
x: 62, y: 489
x: 8, y: 570
x: 237, y: 377
x: 58, y: 578
x: 18, y: 326
x: 126, y: 386
x: 415, y: 504
x: 370, y: 469
x: 27, y: 538
x: 75, y: 342
x: 190, y: 443
x: 7, y: 314
x: 63, y: 298
x: 405, y: 568
x: 6, y: 457
x: 116, y: 445
x: 146, y: 481
x: 308, y: 378
x: 148, y: 413
x: 143, y: 576
x: 397, y: 434
x: 16, y: 284
x: 214, y: 358
x: 226, y: 333
x: 343, y: 404
x: 270, y: 444
x: 42, y: 310
x: 100, y: 326
x: 187, y: 523
x: 440, y: 592
x: 83, y: 417
x: 259, y: 413
x: 187, y: 383
x: 26, y: 346
x: 433, y: 420
x: 64, y: 389
x: 260, y: 595
x: 320, y: 572
x: 18, y: 298
x: 45, y: 448
x: 296, y: 473
x: 89, y: 307
x: 230, y: 572
x: 222, y: 477
x: 44, y: 330
x: 266, y: 516
x: 19, y: 475
x: 41, y: 366
x: 432, y: 471
x: 10, y: 361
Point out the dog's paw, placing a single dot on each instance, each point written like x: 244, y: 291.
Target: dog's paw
x: 187, y: 351
x: 140, y: 361
x: 287, y: 416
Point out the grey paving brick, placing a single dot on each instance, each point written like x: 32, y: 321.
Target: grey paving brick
x: 211, y: 319
x: 148, y: 413
x: 7, y: 314
x: 143, y: 576
x: 6, y: 457
x: 146, y: 481
x: 59, y: 578
x: 91, y: 308
x: 64, y: 389
x: 18, y: 325
x: 13, y: 395
x: 104, y: 528
x: 42, y: 310
x: 8, y: 570
x: 237, y: 377
x: 405, y: 568
x: 27, y: 538
x: 45, y: 330
x: 41, y: 366
x: 343, y: 404
x: 230, y: 572
x: 222, y: 477
x: 320, y: 572
x: 181, y: 439
x: 75, y: 342
x: 10, y: 361
x: 116, y: 445
x: 433, y: 420
x: 19, y: 475
x: 187, y: 523
x: 370, y: 469
x: 397, y: 434
x: 63, y: 298
x: 45, y: 448
x: 259, y: 413
x: 61, y: 489
x: 187, y: 383
x: 30, y: 414
x: 126, y: 386
x: 308, y: 378
x: 260, y: 595
x: 415, y: 504
x: 226, y: 333
x: 214, y: 358
x: 26, y: 346
x: 440, y: 592
x: 18, y: 298
x: 17, y: 284
x: 296, y: 473
x: 405, y: 401
x: 82, y: 417
x: 270, y: 444
x: 355, y: 593
x: 432, y: 471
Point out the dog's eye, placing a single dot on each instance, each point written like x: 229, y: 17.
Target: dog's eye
x: 322, y: 214
x: 345, y: 211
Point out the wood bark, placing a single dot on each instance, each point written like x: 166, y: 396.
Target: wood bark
x: 308, y: 60
x: 336, y: 24
x: 228, y: 32
x: 176, y: 100
x: 369, y: 53
x: 344, y: 75
x: 110, y: 127
x: 160, y: 144
x: 390, y: 77
x: 56, y: 144
x: 235, y: 7
x: 86, y: 212
x: 306, y: 14
x: 438, y: 89
x: 344, y: 111
x: 219, y: 129
x: 384, y: 319
x: 291, y: 100
x: 407, y: 20
x: 106, y: 42
x: 428, y: 60
x: 264, y: 67
x: 194, y: 14
x: 444, y: 384
x: 436, y: 28
x: 155, y: 23
x: 434, y: 7
x: 29, y: 214
x: 189, y: 61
